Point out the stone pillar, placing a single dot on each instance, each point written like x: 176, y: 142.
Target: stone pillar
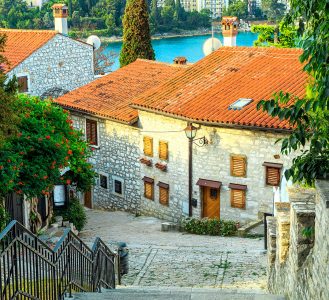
x: 283, y: 229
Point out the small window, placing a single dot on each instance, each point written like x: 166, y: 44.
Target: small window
x: 91, y: 132
x: 163, y: 150
x: 148, y: 146
x: 240, y: 103
x: 273, y: 173
x: 103, y: 181
x: 163, y: 193
x: 23, y: 85
x: 238, y: 195
x: 118, y: 187
x: 148, y: 188
x: 213, y: 193
x: 238, y: 166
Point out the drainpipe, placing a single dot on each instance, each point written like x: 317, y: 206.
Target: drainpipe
x: 190, y: 174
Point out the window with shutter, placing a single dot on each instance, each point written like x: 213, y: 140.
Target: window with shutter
x: 22, y: 84
x: 163, y: 150
x: 148, y: 188
x: 91, y: 132
x: 148, y: 146
x: 238, y: 166
x: 163, y: 193
x: 103, y: 181
x: 238, y: 198
x: 273, y: 176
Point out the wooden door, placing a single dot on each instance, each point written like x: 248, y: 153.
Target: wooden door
x: 87, y: 199
x: 14, y: 206
x: 211, y: 202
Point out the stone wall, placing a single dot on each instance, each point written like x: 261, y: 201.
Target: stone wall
x: 210, y: 162
x: 298, y: 248
x: 62, y: 63
x: 116, y: 157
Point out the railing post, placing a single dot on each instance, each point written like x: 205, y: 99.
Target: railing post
x: 36, y: 265
x: 118, y: 267
x: 15, y: 258
x: 69, y: 265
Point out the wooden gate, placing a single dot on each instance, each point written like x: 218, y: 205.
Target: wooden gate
x: 87, y: 199
x: 211, y: 202
x: 14, y: 206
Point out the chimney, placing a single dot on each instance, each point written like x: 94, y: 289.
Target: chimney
x: 230, y: 30
x: 180, y: 60
x: 60, y: 12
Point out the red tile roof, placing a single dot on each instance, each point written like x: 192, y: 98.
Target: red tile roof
x: 110, y: 95
x: 204, y: 91
x: 21, y: 44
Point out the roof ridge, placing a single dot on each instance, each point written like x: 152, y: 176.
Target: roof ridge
x: 28, y: 30
x: 160, y: 63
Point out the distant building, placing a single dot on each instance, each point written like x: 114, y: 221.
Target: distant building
x: 48, y: 62
x: 36, y: 3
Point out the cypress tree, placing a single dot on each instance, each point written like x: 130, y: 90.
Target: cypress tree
x: 154, y: 15
x: 136, y: 33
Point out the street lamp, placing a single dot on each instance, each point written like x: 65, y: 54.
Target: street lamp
x: 190, y: 132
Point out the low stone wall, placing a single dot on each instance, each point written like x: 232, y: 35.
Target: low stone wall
x: 298, y: 245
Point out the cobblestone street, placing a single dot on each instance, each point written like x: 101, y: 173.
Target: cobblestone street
x: 177, y: 259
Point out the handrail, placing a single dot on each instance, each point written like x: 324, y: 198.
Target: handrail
x: 30, y: 269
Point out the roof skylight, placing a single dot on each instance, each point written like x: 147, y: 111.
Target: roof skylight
x: 240, y: 103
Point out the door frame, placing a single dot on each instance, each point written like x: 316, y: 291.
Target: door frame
x: 202, y: 194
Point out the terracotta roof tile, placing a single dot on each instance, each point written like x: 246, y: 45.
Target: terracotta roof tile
x: 204, y: 91
x: 21, y: 44
x: 110, y: 95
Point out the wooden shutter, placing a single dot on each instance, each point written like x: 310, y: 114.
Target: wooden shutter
x: 164, y: 195
x: 148, y: 190
x: 273, y: 176
x: 163, y: 150
x: 148, y: 146
x: 238, y: 166
x: 91, y: 131
x: 238, y: 198
x: 23, y: 84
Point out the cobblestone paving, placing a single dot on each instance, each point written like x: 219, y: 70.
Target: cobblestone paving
x: 176, y: 259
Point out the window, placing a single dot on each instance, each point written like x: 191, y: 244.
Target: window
x: 238, y: 165
x: 148, y: 146
x: 273, y: 173
x: 23, y: 84
x: 163, y: 150
x: 163, y: 193
x: 103, y: 181
x: 238, y: 195
x: 240, y: 103
x: 118, y: 186
x: 91, y: 132
x: 148, y: 188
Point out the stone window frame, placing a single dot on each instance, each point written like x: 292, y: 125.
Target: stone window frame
x: 118, y: 178
x: 107, y: 180
x: 25, y: 74
x: 98, y: 132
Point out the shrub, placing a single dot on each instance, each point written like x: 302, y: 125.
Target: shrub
x: 75, y: 213
x: 4, y: 218
x: 210, y: 226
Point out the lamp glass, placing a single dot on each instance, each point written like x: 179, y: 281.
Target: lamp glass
x: 190, y: 131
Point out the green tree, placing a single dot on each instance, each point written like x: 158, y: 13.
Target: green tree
x: 154, y: 16
x: 179, y: 11
x: 308, y: 115
x: 273, y: 9
x: 45, y: 143
x: 8, y: 107
x: 237, y: 8
x: 110, y: 23
x: 271, y: 35
x: 136, y: 33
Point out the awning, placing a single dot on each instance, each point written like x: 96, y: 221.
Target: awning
x: 237, y: 186
x: 273, y: 165
x: 163, y: 185
x: 209, y: 183
x: 148, y: 179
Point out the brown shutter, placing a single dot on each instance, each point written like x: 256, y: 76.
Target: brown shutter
x: 238, y: 166
x: 91, y: 132
x: 163, y: 150
x: 163, y: 195
x: 22, y: 84
x: 273, y: 176
x: 238, y: 198
x: 148, y: 146
x: 148, y: 190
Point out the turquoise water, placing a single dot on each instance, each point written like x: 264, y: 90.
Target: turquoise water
x: 190, y: 47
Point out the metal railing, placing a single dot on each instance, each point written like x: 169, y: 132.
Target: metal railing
x: 29, y: 269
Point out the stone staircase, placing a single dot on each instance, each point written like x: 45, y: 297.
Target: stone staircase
x: 172, y: 293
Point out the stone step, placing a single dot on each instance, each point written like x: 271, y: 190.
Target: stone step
x: 145, y: 293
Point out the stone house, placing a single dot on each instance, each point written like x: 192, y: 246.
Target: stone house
x: 146, y: 163
x: 48, y: 62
